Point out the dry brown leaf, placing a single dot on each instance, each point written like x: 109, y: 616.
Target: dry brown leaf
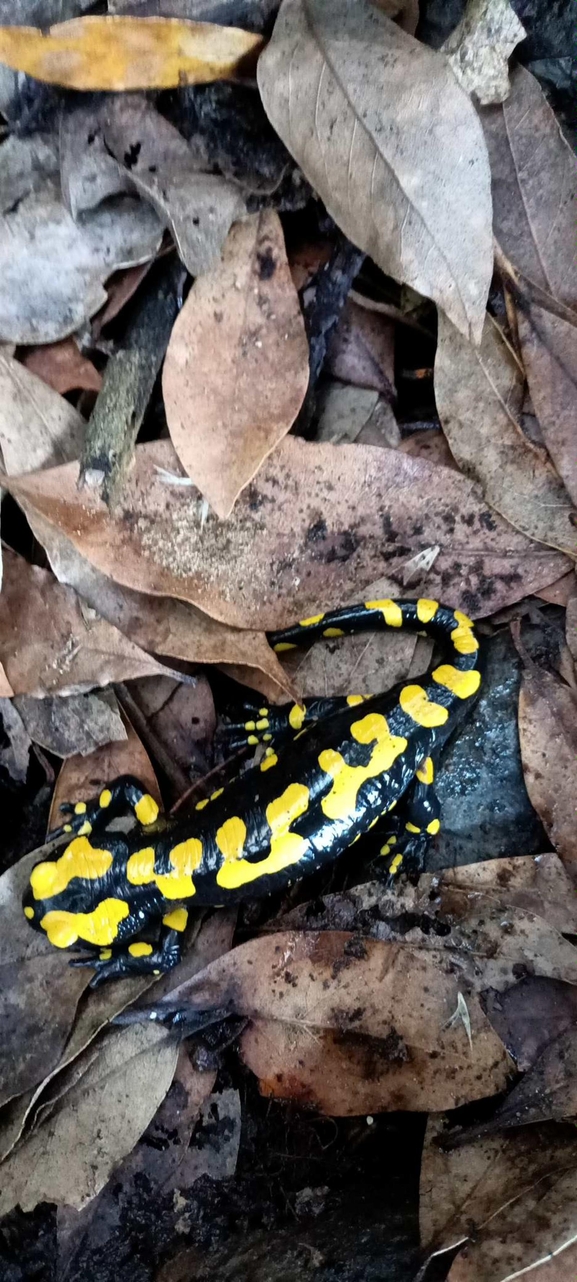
x: 197, y: 208
x: 317, y: 525
x: 353, y: 1026
x: 479, y: 48
x: 362, y: 350
x: 237, y: 366
x: 38, y: 994
x: 391, y: 143
x: 534, y: 176
x: 76, y: 723
x: 560, y: 592
x: 82, y: 778
x: 536, y: 1020
x: 549, y: 350
x: 98, y: 1121
x: 50, y: 643
x: 38, y: 428
x: 120, y: 289
x: 63, y: 367
x: 479, y: 395
x: 343, y: 411
x: 117, y: 53
x: 548, y: 735
x: 514, y: 1195
x: 162, y: 625
x: 430, y: 445
x: 52, y: 269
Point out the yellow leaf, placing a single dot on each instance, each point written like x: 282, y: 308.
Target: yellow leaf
x: 119, y: 53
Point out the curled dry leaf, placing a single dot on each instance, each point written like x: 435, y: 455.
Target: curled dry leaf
x: 117, y: 53
x: 351, y: 1025
x: 479, y: 395
x: 514, y: 1196
x: 391, y: 142
x: 548, y: 736
x: 52, y: 270
x: 63, y: 367
x: 69, y: 1158
x: 50, y: 644
x: 534, y: 175
x: 317, y: 524
x: 479, y: 48
x: 162, y: 625
x: 197, y: 208
x: 38, y: 428
x: 549, y: 350
x: 67, y: 725
x: 237, y: 366
x: 38, y: 994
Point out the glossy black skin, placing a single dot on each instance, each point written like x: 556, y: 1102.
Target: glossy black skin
x: 327, y: 725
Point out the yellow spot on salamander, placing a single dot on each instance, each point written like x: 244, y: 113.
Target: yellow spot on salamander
x: 391, y: 612
x: 269, y: 761
x: 80, y: 808
x: 263, y: 712
x: 385, y: 850
x: 309, y: 623
x: 463, y: 618
x: 146, y: 810
x: 250, y: 725
x: 176, y: 920
x: 297, y: 715
x: 426, y: 609
x: 140, y: 949
x: 412, y: 827
x: 266, y: 738
x: 333, y: 632
x: 178, y: 884
x: 463, y: 684
x: 252, y: 740
x: 140, y: 867
x: 97, y: 927
x: 464, y: 641
x: 286, y: 847
x: 67, y: 828
x: 29, y: 913
x: 395, y: 864
x: 217, y: 793
x: 392, y: 840
x: 262, y: 724
x: 105, y: 798
x: 201, y: 804
x: 105, y: 954
x: 284, y: 645
x: 341, y: 801
x: 426, y: 771
x: 80, y: 859
x: 85, y: 830
x: 354, y: 699
x: 434, y: 827
x: 416, y: 703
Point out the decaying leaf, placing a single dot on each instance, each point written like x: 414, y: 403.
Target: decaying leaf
x: 549, y: 350
x: 198, y: 208
x: 548, y: 735
x: 479, y: 48
x: 38, y: 428
x: 534, y: 176
x: 83, y: 777
x: 343, y: 411
x: 162, y: 625
x: 63, y: 367
x: 70, y: 1157
x: 117, y: 53
x: 15, y: 750
x: 514, y: 1196
x: 391, y: 142
x: 479, y: 394
x: 25, y: 164
x: 352, y: 1025
x: 536, y: 1021
x: 71, y: 724
x: 50, y: 643
x: 237, y: 365
x: 308, y: 532
x: 38, y: 994
x: 362, y: 350
x: 88, y: 172
x: 39, y: 303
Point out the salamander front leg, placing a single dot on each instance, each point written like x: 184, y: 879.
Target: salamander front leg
x: 123, y: 795
x: 275, y: 726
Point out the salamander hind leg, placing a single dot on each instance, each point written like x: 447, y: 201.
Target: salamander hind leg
x: 411, y: 832
x: 273, y: 727
x: 139, y: 957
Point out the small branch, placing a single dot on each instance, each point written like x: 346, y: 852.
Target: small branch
x: 129, y: 381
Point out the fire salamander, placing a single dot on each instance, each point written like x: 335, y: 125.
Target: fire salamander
x: 332, y: 769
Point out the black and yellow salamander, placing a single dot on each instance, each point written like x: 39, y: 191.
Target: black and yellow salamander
x: 332, y: 769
